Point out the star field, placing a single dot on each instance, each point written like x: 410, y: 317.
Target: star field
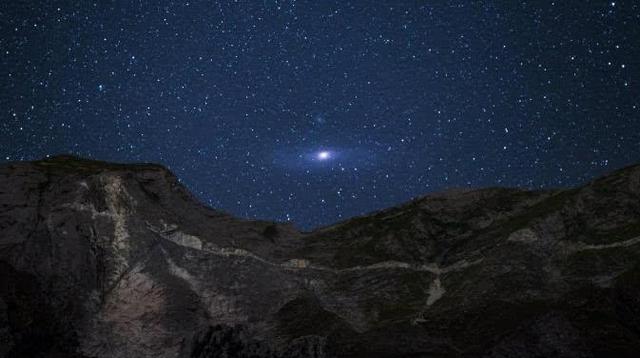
x: 317, y: 111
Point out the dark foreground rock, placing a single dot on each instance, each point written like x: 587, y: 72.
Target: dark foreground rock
x: 110, y: 260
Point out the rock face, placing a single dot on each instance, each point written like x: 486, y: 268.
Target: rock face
x: 110, y: 260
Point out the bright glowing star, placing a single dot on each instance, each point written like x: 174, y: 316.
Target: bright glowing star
x: 324, y: 155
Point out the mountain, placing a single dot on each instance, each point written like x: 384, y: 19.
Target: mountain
x: 119, y: 260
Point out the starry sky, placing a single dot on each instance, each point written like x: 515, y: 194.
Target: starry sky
x: 317, y: 111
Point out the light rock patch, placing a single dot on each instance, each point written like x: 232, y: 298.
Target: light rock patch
x: 436, y: 291
x: 525, y: 236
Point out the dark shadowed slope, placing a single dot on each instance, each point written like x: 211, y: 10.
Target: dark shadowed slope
x: 110, y: 260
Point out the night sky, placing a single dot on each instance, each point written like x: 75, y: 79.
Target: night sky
x: 317, y: 111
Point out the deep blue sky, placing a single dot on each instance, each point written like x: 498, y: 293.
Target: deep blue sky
x: 406, y: 98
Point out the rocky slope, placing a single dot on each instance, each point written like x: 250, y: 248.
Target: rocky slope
x: 110, y: 260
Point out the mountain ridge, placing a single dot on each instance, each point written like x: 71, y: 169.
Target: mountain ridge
x: 58, y: 159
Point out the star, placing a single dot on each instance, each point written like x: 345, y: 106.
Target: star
x: 323, y: 155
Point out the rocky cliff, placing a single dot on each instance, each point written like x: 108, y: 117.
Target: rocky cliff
x: 110, y: 260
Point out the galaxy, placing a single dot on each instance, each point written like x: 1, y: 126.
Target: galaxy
x: 314, y: 112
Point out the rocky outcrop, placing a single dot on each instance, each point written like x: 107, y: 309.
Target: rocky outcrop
x: 111, y: 260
